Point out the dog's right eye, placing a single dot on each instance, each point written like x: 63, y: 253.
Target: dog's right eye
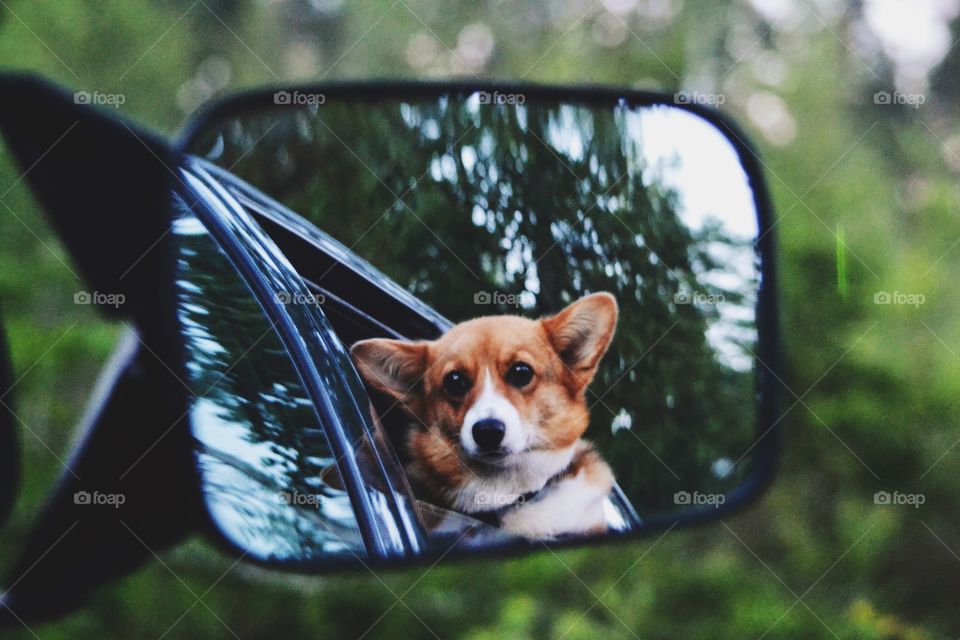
x: 456, y: 384
x: 520, y: 374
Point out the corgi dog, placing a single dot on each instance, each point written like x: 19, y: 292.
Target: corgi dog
x: 498, y: 407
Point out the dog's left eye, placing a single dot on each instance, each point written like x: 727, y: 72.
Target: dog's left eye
x: 456, y: 384
x: 520, y: 374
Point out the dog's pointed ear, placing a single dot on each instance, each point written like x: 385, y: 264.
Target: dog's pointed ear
x: 393, y: 367
x: 581, y: 333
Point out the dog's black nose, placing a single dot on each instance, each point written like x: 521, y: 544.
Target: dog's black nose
x: 488, y: 433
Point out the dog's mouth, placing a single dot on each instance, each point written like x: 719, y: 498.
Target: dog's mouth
x: 497, y: 458
x: 485, y: 457
x: 492, y: 456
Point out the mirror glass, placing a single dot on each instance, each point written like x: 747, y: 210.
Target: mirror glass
x: 486, y: 202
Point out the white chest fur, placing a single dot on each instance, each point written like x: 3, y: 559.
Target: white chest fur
x: 571, y: 505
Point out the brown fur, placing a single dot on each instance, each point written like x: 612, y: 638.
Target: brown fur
x: 564, y: 351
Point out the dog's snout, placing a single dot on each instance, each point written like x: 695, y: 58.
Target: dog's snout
x: 488, y: 433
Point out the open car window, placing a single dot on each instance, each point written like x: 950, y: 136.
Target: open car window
x: 259, y: 441
x: 333, y: 272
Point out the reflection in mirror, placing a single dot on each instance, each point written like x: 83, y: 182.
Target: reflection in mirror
x: 480, y: 207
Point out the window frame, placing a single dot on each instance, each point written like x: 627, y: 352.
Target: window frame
x: 389, y: 529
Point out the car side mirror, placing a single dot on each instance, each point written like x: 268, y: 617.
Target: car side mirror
x: 104, y: 185
x: 383, y: 215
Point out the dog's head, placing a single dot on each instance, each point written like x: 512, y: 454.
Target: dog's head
x: 496, y: 389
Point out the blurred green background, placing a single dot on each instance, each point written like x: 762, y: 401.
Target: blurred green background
x: 861, y: 174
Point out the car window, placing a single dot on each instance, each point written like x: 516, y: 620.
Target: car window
x: 259, y: 439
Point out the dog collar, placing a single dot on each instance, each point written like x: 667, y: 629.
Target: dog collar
x: 495, y: 516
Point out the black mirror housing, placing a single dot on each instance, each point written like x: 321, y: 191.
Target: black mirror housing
x: 105, y: 186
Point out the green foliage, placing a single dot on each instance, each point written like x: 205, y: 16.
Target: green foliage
x: 878, y: 382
